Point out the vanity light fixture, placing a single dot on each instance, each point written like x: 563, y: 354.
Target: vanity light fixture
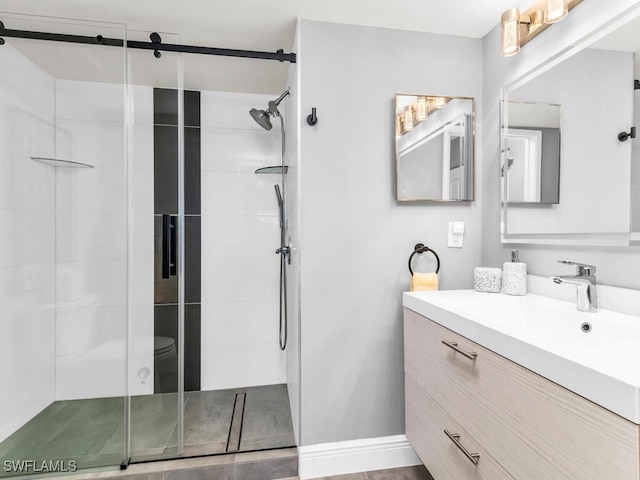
x: 412, y: 115
x: 407, y: 118
x: 517, y: 29
x: 439, y: 102
x: 421, y: 109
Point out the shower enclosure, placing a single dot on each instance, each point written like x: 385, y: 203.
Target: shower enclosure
x: 128, y: 334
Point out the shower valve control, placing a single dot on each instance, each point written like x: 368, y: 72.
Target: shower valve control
x: 286, y: 251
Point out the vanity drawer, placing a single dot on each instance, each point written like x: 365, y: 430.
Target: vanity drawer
x: 426, y: 425
x: 533, y: 427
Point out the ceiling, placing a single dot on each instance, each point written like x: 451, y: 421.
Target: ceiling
x: 250, y: 25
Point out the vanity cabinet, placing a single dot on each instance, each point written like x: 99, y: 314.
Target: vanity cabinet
x: 522, y: 426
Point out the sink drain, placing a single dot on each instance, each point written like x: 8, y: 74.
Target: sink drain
x: 585, y: 327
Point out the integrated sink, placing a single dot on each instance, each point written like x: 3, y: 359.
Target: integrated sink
x: 596, y: 355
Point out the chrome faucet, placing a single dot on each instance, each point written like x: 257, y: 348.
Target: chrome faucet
x: 585, y: 282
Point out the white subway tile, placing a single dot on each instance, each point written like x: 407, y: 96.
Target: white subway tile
x: 17, y: 83
x: 26, y: 185
x: 142, y: 104
x: 141, y: 350
x: 238, y: 194
x: 142, y: 237
x: 91, y: 283
x: 91, y: 191
x: 231, y: 110
x: 92, y: 350
x: 41, y: 93
x: 92, y: 101
x: 142, y: 192
x: 240, y: 236
x: 142, y: 147
x: 89, y: 237
x: 98, y: 374
x: 14, y: 124
x: 240, y: 323
x: 97, y: 143
x: 229, y: 150
x: 142, y: 282
x: 29, y: 238
x: 42, y: 137
x: 26, y: 290
x: 242, y: 366
x: 240, y: 279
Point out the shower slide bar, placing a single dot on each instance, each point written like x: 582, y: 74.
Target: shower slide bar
x: 155, y: 45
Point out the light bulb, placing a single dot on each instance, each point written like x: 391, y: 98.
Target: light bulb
x: 421, y: 109
x: 408, y: 118
x: 510, y: 38
x: 556, y: 10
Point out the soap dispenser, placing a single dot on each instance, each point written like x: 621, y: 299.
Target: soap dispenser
x: 514, y: 276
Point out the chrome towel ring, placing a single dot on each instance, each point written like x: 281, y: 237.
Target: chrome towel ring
x: 420, y: 248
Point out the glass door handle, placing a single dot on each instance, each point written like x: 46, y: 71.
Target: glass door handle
x: 173, y: 249
x: 168, y: 244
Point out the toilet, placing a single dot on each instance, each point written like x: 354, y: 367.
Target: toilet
x: 165, y: 359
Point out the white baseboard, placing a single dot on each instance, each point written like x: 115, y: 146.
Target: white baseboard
x: 353, y: 456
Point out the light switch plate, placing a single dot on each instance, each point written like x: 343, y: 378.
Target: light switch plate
x: 456, y: 234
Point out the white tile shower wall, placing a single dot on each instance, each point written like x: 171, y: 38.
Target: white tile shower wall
x: 240, y: 232
x: 92, y: 239
x: 27, y: 253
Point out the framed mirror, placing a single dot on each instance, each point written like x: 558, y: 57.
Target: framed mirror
x: 434, y: 148
x: 573, y: 109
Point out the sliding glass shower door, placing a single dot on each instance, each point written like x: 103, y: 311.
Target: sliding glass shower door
x: 157, y: 341
x: 122, y: 338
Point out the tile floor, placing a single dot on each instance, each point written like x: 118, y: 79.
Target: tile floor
x: 405, y: 473
x: 91, y: 431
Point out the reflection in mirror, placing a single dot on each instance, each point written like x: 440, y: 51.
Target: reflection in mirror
x: 532, y: 153
x: 434, y: 148
x: 593, y: 86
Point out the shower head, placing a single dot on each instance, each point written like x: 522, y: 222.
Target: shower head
x: 262, y: 116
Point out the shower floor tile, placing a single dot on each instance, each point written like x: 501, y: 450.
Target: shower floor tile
x: 91, y: 431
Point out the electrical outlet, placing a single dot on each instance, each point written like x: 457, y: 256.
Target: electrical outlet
x: 456, y: 234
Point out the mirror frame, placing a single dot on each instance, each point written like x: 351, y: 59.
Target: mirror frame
x: 472, y: 144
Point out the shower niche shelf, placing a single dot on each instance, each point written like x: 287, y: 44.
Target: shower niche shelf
x: 58, y: 162
x: 272, y: 170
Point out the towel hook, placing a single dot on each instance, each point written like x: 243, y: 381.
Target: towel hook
x: 420, y: 248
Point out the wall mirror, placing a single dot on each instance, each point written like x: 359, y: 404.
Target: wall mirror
x: 434, y: 148
x: 531, y: 161
x: 566, y: 176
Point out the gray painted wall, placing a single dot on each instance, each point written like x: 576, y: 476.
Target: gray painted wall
x: 617, y: 266
x: 355, y: 239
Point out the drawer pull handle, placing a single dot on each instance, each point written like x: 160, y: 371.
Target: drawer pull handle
x: 455, y: 438
x: 454, y: 346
